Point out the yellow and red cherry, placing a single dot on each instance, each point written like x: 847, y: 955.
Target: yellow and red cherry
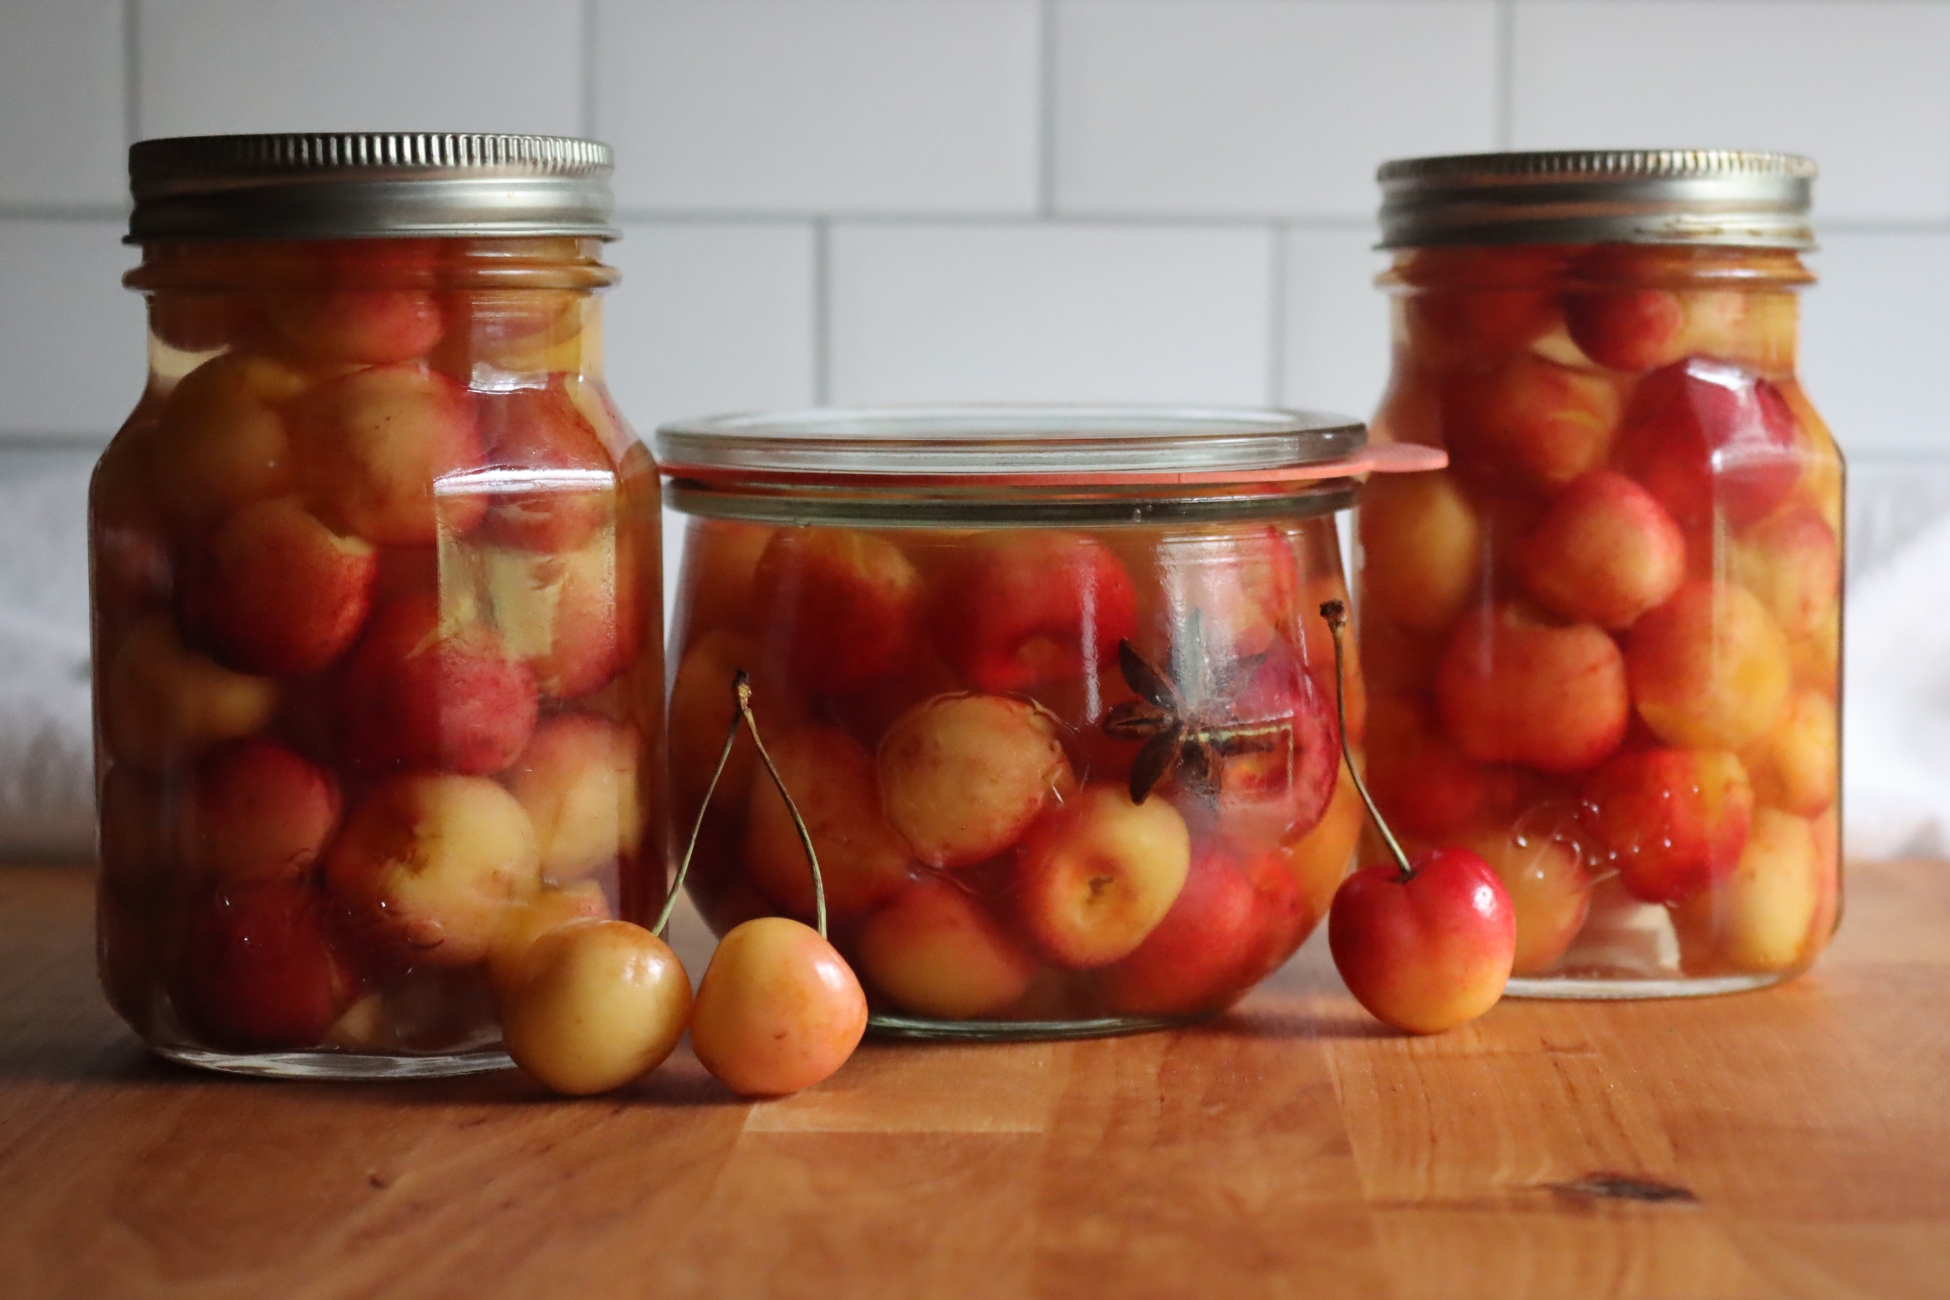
x: 778, y: 1009
x: 934, y: 950
x: 1197, y: 957
x: 594, y: 1004
x: 1018, y: 610
x: 260, y: 969
x: 1705, y: 436
x: 851, y: 599
x: 1423, y: 945
x: 1675, y: 820
x: 273, y: 590
x: 1094, y: 877
x: 1517, y: 686
x: 417, y: 692
x: 1604, y: 552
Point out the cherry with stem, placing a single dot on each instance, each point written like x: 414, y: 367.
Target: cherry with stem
x: 778, y: 1008
x: 1424, y: 944
x: 595, y: 1003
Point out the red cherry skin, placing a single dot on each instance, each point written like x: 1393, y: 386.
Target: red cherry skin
x: 1702, y: 434
x: 1429, y: 952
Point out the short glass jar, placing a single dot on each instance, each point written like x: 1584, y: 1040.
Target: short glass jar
x: 1047, y: 685
x: 1603, y: 646
x: 375, y: 579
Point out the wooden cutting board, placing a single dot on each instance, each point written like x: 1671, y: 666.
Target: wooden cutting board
x: 1794, y: 1142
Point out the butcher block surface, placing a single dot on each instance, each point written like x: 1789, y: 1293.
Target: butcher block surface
x: 1793, y: 1142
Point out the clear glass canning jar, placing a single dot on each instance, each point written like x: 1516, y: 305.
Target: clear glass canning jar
x: 1046, y: 686
x: 375, y: 582
x: 1603, y: 646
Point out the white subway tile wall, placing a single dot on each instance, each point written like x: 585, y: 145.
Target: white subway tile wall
x: 1876, y: 337
x: 901, y: 200
x: 711, y: 318
x: 1048, y: 313
x: 1262, y: 107
x: 1335, y: 322
x: 1858, y: 86
x: 63, y: 115
x: 205, y: 66
x: 857, y: 200
x: 71, y: 338
x: 834, y: 105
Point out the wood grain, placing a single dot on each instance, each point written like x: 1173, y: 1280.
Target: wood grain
x: 1792, y: 1143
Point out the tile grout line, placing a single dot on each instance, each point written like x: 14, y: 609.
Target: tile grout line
x: 1506, y: 55
x: 1277, y: 318
x: 88, y: 444
x: 86, y: 211
x: 1046, y: 109
x: 586, y: 104
x: 131, y: 71
x: 75, y: 212
x: 822, y: 306
x: 1190, y: 220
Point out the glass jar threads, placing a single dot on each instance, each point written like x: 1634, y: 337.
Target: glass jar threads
x: 375, y: 591
x: 1047, y: 686
x: 1602, y: 647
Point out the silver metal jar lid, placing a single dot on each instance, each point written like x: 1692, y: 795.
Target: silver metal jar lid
x: 368, y: 185
x: 1586, y: 196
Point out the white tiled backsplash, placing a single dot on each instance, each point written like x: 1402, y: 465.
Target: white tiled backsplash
x: 893, y: 200
x: 862, y: 200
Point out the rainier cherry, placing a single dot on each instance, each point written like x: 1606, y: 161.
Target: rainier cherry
x: 778, y: 1009
x: 1427, y: 945
x: 594, y: 1003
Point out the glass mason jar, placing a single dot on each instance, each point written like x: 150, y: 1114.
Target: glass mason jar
x: 375, y: 582
x: 1602, y: 647
x: 1046, y: 685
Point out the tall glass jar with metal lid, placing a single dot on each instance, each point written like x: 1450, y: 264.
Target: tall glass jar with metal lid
x: 1603, y: 645
x: 375, y: 571
x: 1048, y: 687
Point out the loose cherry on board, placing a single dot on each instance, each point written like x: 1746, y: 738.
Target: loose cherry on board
x: 1423, y: 945
x: 593, y: 1004
x: 778, y: 1009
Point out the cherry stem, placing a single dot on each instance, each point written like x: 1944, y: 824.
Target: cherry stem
x: 697, y: 827
x: 741, y: 695
x: 1335, y: 612
x: 742, y: 689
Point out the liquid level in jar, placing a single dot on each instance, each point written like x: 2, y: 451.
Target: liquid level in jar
x: 959, y: 717
x: 378, y: 667
x: 1602, y: 647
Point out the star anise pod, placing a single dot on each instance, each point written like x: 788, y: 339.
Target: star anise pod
x: 1182, y: 717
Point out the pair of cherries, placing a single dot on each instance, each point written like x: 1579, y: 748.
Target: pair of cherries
x: 595, y: 1004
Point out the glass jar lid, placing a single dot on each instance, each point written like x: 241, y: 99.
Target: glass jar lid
x: 1008, y: 446
x: 1000, y: 463
x: 367, y: 185
x: 1728, y: 197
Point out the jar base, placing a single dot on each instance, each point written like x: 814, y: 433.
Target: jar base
x: 343, y: 1067
x: 1577, y: 988
x: 922, y: 1028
